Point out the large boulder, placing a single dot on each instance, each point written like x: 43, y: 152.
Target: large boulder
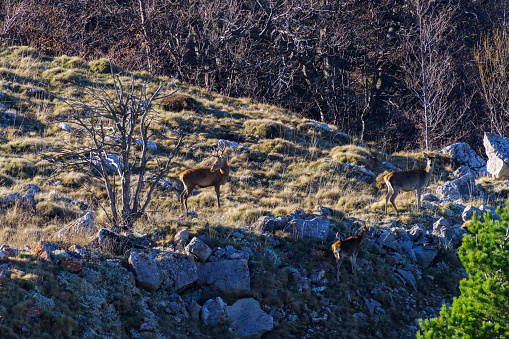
x: 247, y: 318
x: 497, y: 150
x: 463, y: 154
x: 308, y: 225
x: 146, y: 270
x: 463, y: 187
x: 177, y: 271
x: 226, y: 275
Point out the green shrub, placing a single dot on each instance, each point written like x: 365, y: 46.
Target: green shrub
x: 482, y: 309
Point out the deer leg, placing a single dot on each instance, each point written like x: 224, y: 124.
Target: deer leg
x: 217, y: 194
x: 390, y: 191
x: 418, y: 196
x: 393, y: 198
x: 339, y: 261
x: 354, y: 265
x: 182, y: 197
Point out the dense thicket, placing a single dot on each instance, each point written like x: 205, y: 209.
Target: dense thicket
x: 351, y: 63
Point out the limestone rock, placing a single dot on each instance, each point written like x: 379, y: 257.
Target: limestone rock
x: 177, y: 271
x: 213, y: 312
x: 425, y: 255
x: 84, y: 226
x: 226, y: 275
x: 199, y: 249
x: 464, y: 154
x: 497, y: 150
x: 308, y: 225
x: 247, y: 318
x: 146, y: 270
x: 463, y: 187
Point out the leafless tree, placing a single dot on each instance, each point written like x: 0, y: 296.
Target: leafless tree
x: 428, y: 70
x: 10, y: 10
x: 113, y: 132
x: 492, y: 57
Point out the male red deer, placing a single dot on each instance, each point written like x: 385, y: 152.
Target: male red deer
x: 349, y: 248
x: 214, y: 175
x: 411, y: 180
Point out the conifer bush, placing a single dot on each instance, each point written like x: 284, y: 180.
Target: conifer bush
x: 482, y: 309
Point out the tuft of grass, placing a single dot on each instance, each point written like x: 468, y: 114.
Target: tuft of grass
x: 178, y: 102
x: 69, y: 62
x: 101, y: 66
x: 50, y: 209
x: 356, y: 155
x: 266, y: 129
x: 60, y: 73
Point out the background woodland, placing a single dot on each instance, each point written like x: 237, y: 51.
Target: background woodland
x: 401, y: 74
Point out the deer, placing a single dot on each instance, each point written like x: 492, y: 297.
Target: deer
x: 213, y: 175
x: 411, y: 180
x: 348, y: 248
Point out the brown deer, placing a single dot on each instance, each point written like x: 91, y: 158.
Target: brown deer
x: 349, y: 248
x: 411, y: 180
x: 214, y: 175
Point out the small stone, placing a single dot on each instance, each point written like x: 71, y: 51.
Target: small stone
x: 73, y: 265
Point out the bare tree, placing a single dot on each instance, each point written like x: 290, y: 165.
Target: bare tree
x: 492, y: 58
x: 428, y: 69
x: 11, y: 11
x: 113, y: 132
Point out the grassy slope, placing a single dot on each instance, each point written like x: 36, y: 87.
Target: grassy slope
x: 289, y: 166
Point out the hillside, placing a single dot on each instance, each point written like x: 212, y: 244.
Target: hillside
x: 282, y: 168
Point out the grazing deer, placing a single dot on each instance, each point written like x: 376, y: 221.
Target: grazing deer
x: 411, y: 180
x: 214, y: 175
x: 349, y: 248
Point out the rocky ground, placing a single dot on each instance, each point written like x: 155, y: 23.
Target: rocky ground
x: 261, y: 265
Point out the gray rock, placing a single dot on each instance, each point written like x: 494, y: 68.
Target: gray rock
x: 406, y: 246
x: 469, y: 211
x: 146, y: 270
x: 389, y: 240
x: 63, y: 126
x: 407, y: 277
x: 464, y: 154
x: 301, y: 280
x: 492, y: 211
x: 415, y: 232
x: 497, y: 150
x: 28, y: 200
x: 177, y: 271
x: 247, y: 318
x: 83, y: 226
x: 12, y: 197
x: 439, y: 225
x: 463, y: 187
x: 199, y: 249
x: 189, y: 214
x: 373, y: 305
x: 429, y: 197
x: 213, y: 312
x: 175, y: 306
x: 150, y: 144
x: 182, y: 236
x: 111, y: 242
x: 226, y: 275
x: 317, y: 275
x: 425, y: 255
x: 193, y: 308
x: 308, y: 225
